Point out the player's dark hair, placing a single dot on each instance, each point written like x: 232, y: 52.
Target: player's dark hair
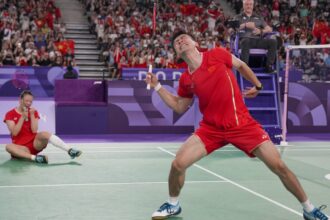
x: 24, y: 93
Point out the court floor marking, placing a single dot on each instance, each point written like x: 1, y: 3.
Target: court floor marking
x: 325, y: 144
x: 51, y: 151
x: 153, y: 145
x: 105, y: 184
x: 105, y: 151
x: 238, y: 185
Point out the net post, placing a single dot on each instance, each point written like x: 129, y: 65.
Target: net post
x: 285, y: 101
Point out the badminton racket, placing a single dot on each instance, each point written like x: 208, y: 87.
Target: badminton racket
x: 149, y: 71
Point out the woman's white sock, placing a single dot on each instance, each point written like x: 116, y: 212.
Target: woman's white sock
x: 57, y: 142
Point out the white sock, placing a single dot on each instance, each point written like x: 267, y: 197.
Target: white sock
x: 173, y: 200
x: 33, y: 157
x: 57, y: 142
x: 308, y: 206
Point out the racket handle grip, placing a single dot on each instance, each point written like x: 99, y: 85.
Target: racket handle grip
x: 149, y: 71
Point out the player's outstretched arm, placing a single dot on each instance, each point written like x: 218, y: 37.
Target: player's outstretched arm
x: 177, y: 103
x: 249, y: 75
x: 245, y: 71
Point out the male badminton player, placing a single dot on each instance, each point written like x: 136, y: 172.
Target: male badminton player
x: 226, y: 119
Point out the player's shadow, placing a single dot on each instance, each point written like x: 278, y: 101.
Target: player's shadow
x: 16, y: 165
x: 21, y: 166
x: 59, y: 164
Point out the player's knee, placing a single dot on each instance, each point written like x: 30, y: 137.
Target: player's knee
x: 8, y: 148
x: 178, y: 166
x: 44, y: 135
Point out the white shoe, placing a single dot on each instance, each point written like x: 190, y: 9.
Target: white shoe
x: 316, y: 214
x: 166, y: 210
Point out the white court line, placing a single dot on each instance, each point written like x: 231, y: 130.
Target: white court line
x: 150, y: 149
x: 153, y: 145
x: 91, y: 146
x: 103, y: 184
x: 175, y: 145
x: 238, y: 185
x: 156, y: 150
x: 287, y: 149
x: 101, y: 151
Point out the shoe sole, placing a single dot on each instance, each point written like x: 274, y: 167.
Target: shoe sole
x: 165, y: 217
x: 162, y: 217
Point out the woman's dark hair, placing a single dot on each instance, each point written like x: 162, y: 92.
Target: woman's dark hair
x: 24, y: 93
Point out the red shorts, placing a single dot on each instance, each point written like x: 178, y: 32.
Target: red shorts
x: 245, y: 137
x: 31, y: 148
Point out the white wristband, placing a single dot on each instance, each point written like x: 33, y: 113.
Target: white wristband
x: 157, y: 88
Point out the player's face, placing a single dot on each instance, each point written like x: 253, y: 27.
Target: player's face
x: 183, y: 43
x: 26, y: 101
x: 248, y: 6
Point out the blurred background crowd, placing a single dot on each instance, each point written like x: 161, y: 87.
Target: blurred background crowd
x: 32, y: 32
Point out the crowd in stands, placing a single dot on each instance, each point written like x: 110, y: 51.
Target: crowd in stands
x: 299, y: 22
x: 31, y: 34
x: 126, y: 38
x: 314, y: 64
x: 125, y: 30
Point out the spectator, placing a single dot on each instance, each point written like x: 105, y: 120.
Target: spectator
x: 24, y: 27
x: 125, y: 27
x: 70, y: 74
x: 58, y: 61
x: 8, y: 59
x: 43, y: 60
x: 40, y: 41
x: 21, y: 60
